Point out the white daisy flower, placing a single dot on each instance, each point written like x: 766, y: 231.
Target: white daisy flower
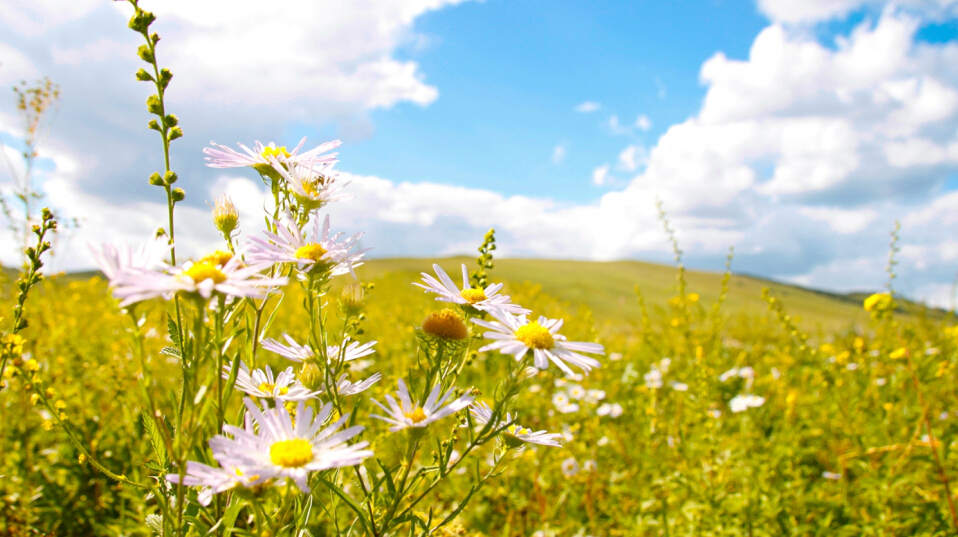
x: 832, y: 475
x: 560, y: 399
x: 740, y: 403
x: 679, y: 386
x: 212, y: 480
x: 204, y: 277
x: 594, y: 396
x: 303, y: 353
x: 514, y: 435
x: 653, y: 379
x: 568, y: 409
x: 615, y: 410
x: 728, y: 374
x: 485, y: 300
x: 258, y: 157
x: 570, y: 467
x: 576, y: 391
x: 280, y: 448
x: 115, y: 260
x: 345, y: 387
x: 517, y: 336
x: 290, y: 245
x: 604, y: 409
x: 714, y: 413
x: 313, y: 186
x: 259, y: 383
x: 405, y: 413
x: 590, y: 465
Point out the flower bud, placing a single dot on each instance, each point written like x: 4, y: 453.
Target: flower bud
x: 175, y: 133
x: 351, y: 299
x: 445, y: 324
x: 178, y: 194
x: 225, y: 216
x: 156, y: 179
x: 170, y: 177
x: 311, y: 376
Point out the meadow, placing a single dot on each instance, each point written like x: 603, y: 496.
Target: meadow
x: 839, y: 447
x: 241, y: 392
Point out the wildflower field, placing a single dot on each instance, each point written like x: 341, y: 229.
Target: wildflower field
x: 286, y: 385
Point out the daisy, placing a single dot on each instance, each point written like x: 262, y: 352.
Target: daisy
x: 303, y: 353
x: 741, y: 403
x: 259, y: 383
x: 290, y: 246
x: 486, y: 300
x: 258, y: 157
x: 280, y: 448
x: 312, y: 186
x: 517, y: 336
x: 345, y: 387
x: 570, y: 467
x: 212, y: 480
x: 514, y: 435
x: 115, y: 261
x: 404, y: 413
x: 204, y: 278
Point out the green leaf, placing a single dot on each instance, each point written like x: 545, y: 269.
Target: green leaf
x: 390, y: 485
x: 349, y: 501
x: 159, y: 447
x: 173, y: 329
x: 170, y: 351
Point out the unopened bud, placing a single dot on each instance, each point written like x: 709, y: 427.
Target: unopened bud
x: 351, y: 299
x: 170, y: 178
x: 178, y: 194
x: 156, y: 179
x: 225, y: 216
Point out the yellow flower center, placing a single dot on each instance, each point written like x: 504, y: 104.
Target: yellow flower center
x: 312, y: 251
x: 275, y: 152
x: 203, y: 271
x: 417, y: 416
x: 291, y: 453
x: 268, y: 388
x: 535, y: 336
x: 217, y: 258
x: 515, y: 430
x: 445, y: 324
x: 473, y: 296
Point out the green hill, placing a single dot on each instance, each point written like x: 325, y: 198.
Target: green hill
x: 608, y: 288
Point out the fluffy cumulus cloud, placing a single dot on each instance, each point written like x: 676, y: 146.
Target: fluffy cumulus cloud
x: 802, y: 155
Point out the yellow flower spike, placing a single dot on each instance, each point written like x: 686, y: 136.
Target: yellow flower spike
x: 51, y: 392
x: 898, y: 354
x: 34, y: 398
x: 60, y: 404
x: 31, y: 365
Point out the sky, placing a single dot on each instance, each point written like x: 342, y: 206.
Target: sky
x: 795, y: 131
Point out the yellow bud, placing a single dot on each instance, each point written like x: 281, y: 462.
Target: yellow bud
x: 31, y: 365
x: 60, y: 404
x: 352, y: 298
x: 82, y: 458
x: 34, y: 398
x: 51, y: 392
x: 225, y: 216
x: 900, y: 353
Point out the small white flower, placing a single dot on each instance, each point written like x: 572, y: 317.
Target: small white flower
x: 345, y: 387
x: 740, y: 403
x: 290, y: 245
x: 831, y: 475
x: 517, y: 336
x: 405, y: 413
x: 604, y: 441
x: 115, y: 260
x: 595, y: 395
x: 535, y: 388
x: 615, y: 356
x: 568, y: 409
x: 514, y: 434
x: 576, y: 391
x: 487, y: 299
x: 715, y: 413
x: 570, y: 467
x: 212, y: 480
x: 260, y: 383
x: 664, y: 364
x: 604, y: 409
x: 880, y: 382
x: 851, y: 366
x: 728, y: 374
x: 615, y: 411
x: 746, y: 372
x: 302, y: 353
x: 258, y: 157
x: 679, y: 386
x: 943, y: 416
x: 653, y: 379
x: 313, y: 185
x: 560, y: 399
x: 276, y: 447
x: 590, y: 465
x: 776, y: 374
x: 203, y: 278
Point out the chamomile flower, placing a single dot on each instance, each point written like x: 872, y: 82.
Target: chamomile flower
x: 258, y: 157
x: 514, y: 435
x: 280, y: 448
x: 516, y: 335
x: 260, y: 383
x: 119, y: 260
x: 486, y: 300
x: 741, y: 403
x: 202, y: 278
x: 404, y: 413
x: 345, y: 387
x: 213, y: 480
x: 570, y: 467
x: 304, y: 353
x: 313, y: 185
x: 320, y: 250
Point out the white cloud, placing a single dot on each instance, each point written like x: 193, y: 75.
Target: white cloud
x: 840, y: 220
x: 600, y: 175
x: 643, y: 123
x: 588, y: 106
x: 559, y: 153
x: 38, y: 16
x: 633, y: 157
x: 810, y: 11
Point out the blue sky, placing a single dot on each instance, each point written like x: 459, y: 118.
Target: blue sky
x: 797, y: 131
